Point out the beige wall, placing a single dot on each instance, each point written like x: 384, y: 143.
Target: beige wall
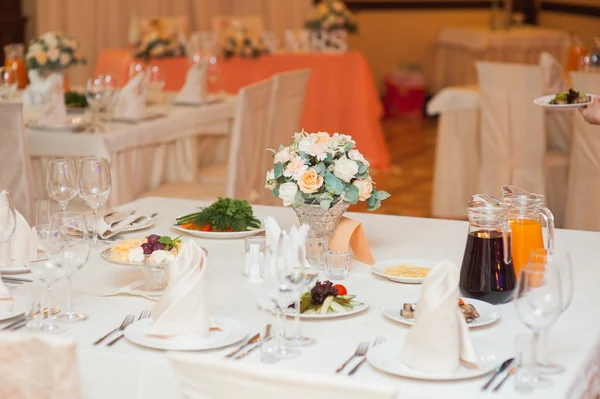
x: 28, y: 10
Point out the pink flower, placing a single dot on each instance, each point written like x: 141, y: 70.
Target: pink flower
x: 295, y: 168
x: 282, y: 156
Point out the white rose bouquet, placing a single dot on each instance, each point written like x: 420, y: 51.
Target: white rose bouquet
x: 53, y: 51
x: 322, y: 169
x: 158, y: 42
x: 332, y: 15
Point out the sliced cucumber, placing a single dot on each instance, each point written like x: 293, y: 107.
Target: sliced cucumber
x: 310, y: 311
x: 347, y: 296
x: 337, y: 308
x: 326, y: 303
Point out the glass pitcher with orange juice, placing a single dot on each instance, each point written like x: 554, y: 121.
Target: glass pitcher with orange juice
x: 13, y: 56
x: 525, y: 215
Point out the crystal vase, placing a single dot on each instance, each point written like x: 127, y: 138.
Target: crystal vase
x: 322, y: 221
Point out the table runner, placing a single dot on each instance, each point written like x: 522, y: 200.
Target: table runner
x: 129, y: 371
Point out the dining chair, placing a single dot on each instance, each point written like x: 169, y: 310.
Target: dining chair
x: 15, y: 164
x: 583, y: 212
x: 208, y: 378
x: 34, y: 366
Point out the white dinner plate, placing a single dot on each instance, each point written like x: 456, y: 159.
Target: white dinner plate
x: 17, y: 267
x: 488, y: 313
x: 232, y: 331
x: 74, y: 124
x: 379, y: 268
x: 106, y: 255
x: 268, y: 305
x: 220, y: 235
x: 18, y: 306
x: 210, y: 99
x: 545, y: 100
x: 385, y: 358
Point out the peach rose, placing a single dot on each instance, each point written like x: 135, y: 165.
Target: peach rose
x: 310, y: 182
x: 365, y: 188
x: 41, y: 58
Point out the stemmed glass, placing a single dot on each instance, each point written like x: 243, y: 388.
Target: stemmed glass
x: 561, y: 260
x: 279, y: 287
x: 8, y: 83
x: 70, y: 251
x: 539, y: 303
x: 8, y: 220
x: 61, y: 181
x: 94, y: 186
x: 97, y: 96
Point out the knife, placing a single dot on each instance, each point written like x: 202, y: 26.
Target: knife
x: 258, y: 344
x: 499, y: 370
x: 252, y: 340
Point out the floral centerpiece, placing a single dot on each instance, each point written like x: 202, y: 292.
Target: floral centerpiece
x: 332, y: 15
x: 158, y: 42
x: 320, y: 176
x: 51, y: 52
x: 242, y: 44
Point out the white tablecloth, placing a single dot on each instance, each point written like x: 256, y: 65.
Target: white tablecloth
x: 128, y: 371
x: 145, y: 155
x: 458, y: 48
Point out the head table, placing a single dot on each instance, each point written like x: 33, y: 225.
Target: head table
x: 126, y: 370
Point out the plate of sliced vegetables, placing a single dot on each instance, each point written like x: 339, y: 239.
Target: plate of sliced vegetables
x: 224, y: 219
x: 324, y: 301
x: 567, y: 101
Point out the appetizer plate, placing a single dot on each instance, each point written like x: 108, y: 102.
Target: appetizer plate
x: 385, y: 358
x: 18, y: 306
x: 268, y: 305
x: 220, y: 235
x: 232, y: 331
x: 106, y: 255
x: 487, y: 313
x: 379, y: 269
x: 544, y: 102
x: 72, y: 125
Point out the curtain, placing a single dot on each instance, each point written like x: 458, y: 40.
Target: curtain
x: 101, y: 24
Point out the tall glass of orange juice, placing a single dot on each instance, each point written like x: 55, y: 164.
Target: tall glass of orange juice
x: 13, y: 59
x: 525, y: 215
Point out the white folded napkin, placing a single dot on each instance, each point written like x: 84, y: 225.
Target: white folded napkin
x: 194, y: 88
x: 54, y: 110
x: 182, y: 312
x: 133, y: 289
x: 22, y: 247
x: 113, y: 222
x: 439, y: 341
x: 131, y: 101
x: 552, y: 74
x: 35, y: 93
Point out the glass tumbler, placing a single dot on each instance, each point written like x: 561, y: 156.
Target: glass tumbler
x: 337, y: 264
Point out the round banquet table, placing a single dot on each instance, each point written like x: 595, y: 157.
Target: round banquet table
x: 126, y: 370
x: 341, y: 95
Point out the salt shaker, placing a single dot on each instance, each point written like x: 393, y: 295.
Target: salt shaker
x: 253, y: 264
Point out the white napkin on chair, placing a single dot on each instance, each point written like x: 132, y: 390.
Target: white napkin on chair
x: 131, y: 101
x: 22, y: 247
x: 552, y: 74
x: 113, y: 222
x: 182, y: 312
x: 194, y: 88
x: 54, y: 111
x: 439, y: 341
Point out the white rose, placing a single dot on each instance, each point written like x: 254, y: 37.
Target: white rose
x: 365, y: 188
x: 270, y: 176
x: 282, y: 156
x: 345, y: 169
x: 65, y: 59
x: 287, y: 192
x: 355, y: 155
x: 50, y: 39
x: 304, y: 144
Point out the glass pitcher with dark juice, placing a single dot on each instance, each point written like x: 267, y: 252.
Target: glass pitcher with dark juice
x: 487, y: 271
x: 525, y: 215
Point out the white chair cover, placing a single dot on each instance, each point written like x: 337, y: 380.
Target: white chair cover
x: 513, y: 140
x: 583, y: 212
x: 248, y: 148
x: 34, y: 366
x: 205, y: 378
x: 16, y: 168
x: 457, y: 151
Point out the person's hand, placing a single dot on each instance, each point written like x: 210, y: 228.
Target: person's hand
x: 591, y: 113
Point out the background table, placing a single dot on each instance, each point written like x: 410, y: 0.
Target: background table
x: 145, y: 155
x: 458, y: 49
x: 341, y: 95
x: 129, y: 371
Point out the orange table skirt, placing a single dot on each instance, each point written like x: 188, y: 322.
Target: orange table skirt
x: 341, y: 95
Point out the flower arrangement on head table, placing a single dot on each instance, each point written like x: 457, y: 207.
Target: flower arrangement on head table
x: 322, y: 169
x: 158, y: 42
x: 332, y: 15
x: 53, y: 51
x: 241, y: 44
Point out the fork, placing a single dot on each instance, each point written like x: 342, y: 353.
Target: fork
x: 360, y: 351
x: 127, y: 321
x: 144, y: 315
x: 378, y: 341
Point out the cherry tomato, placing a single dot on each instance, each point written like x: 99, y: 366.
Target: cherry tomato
x: 341, y: 290
x: 208, y: 227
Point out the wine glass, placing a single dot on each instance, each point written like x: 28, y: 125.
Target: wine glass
x: 69, y: 250
x: 97, y: 95
x: 8, y: 83
x: 539, y: 303
x: 8, y: 219
x: 561, y: 260
x: 279, y: 290
x: 94, y: 186
x: 61, y: 181
x: 155, y: 84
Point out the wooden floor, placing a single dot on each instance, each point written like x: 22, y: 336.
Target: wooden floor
x: 411, y: 142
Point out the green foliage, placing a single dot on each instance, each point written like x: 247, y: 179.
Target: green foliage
x: 334, y: 185
x: 223, y: 215
x: 351, y: 194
